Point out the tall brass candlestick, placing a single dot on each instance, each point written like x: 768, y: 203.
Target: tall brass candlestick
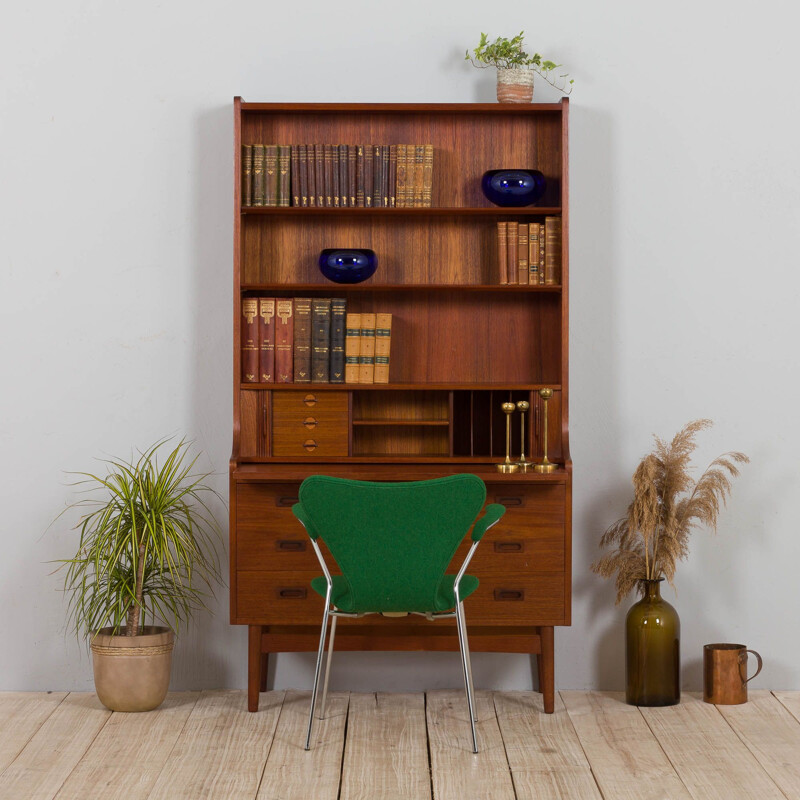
x: 508, y: 465
x: 545, y: 467
x: 523, y: 406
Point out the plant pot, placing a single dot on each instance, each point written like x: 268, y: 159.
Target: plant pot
x: 652, y: 649
x: 131, y: 673
x: 514, y: 85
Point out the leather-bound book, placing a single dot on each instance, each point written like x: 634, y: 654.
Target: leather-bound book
x: 361, y: 177
x: 400, y: 188
x: 385, y: 161
x: 338, y: 319
x: 377, y: 176
x: 383, y: 341
x: 284, y: 340
x: 522, y: 266
x: 392, y: 200
x: 328, y: 176
x: 295, y: 175
x: 344, y: 194
x: 542, y: 247
x: 366, y: 358
x: 427, y: 176
x: 419, y: 171
x: 320, y: 339
x: 284, y: 168
x: 302, y: 158
x: 352, y: 157
x: 502, y: 251
x: 368, y: 174
x: 319, y: 169
x: 352, y: 347
x: 302, y: 340
x: 270, y: 175
x: 249, y: 340
x: 336, y: 188
x: 258, y: 174
x: 311, y: 174
x: 533, y: 252
x: 266, y: 338
x: 552, y: 254
x: 513, y: 252
x: 408, y: 199
x: 247, y: 174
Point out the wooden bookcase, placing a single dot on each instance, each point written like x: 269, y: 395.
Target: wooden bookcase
x: 461, y: 345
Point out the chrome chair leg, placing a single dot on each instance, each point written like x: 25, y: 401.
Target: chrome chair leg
x: 328, y: 668
x: 318, y: 670
x: 466, y: 664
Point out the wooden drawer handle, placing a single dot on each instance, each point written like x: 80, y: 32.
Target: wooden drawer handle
x: 309, y: 445
x: 509, y: 594
x: 310, y: 399
x: 284, y: 502
x: 291, y: 545
x: 310, y: 423
x: 510, y: 501
x: 508, y: 547
x: 293, y: 593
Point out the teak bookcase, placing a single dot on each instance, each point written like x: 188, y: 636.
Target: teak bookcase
x: 461, y: 345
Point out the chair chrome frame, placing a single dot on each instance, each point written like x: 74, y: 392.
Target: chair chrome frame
x: 461, y: 627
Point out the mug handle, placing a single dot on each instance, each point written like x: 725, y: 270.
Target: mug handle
x: 760, y: 664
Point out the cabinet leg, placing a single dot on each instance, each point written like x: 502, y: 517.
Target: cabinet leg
x: 253, y: 666
x: 546, y: 666
x: 264, y: 669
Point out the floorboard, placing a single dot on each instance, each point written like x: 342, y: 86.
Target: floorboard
x: 21, y: 715
x: 790, y: 701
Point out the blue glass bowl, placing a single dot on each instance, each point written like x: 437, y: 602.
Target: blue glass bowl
x: 347, y: 266
x: 513, y: 187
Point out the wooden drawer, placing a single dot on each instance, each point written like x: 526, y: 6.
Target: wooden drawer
x: 309, y: 423
x: 536, y: 505
x: 279, y: 598
x: 516, y: 549
x: 503, y: 599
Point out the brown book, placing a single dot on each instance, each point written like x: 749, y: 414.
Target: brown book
x: 319, y: 170
x: 311, y: 174
x: 328, y: 175
x: 249, y: 340
x: 533, y: 252
x: 336, y: 189
x: 352, y: 347
x: 360, y: 177
x: 522, y: 266
x: 320, y: 339
x: 408, y: 199
x: 368, y: 174
x: 284, y: 340
x: 366, y: 358
x: 392, y: 176
x: 513, y: 252
x: 377, y: 176
x: 303, y: 160
x: 502, y: 251
x: 419, y: 172
x: 338, y: 317
x: 284, y: 169
x: 427, y: 176
x: 352, y: 157
x: 400, y: 189
x: 247, y: 174
x: 302, y: 340
x: 385, y: 175
x: 552, y: 254
x: 295, y: 175
x: 542, y: 245
x: 258, y: 174
x: 266, y: 338
x: 344, y: 193
x: 383, y: 342
x: 270, y: 175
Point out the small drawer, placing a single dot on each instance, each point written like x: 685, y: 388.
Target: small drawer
x: 279, y: 599
x: 309, y: 423
x: 516, y: 599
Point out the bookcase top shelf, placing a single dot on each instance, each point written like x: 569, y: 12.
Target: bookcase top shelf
x: 428, y: 385
x: 407, y: 108
x: 337, y: 288
x: 491, y: 211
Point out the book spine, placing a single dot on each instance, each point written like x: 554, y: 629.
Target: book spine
x: 427, y: 176
x: 542, y: 245
x: 383, y: 342
x: 368, y: 178
x: 352, y: 347
x: 385, y: 175
x: 502, y: 251
x: 523, y: 253
x: 320, y: 339
x: 338, y: 321
x: 250, y: 340
x: 366, y: 358
x: 533, y: 252
x: 392, y: 175
x: 352, y: 183
x: 336, y: 186
x: 419, y: 171
x: 319, y: 169
x: 377, y: 176
x: 360, y: 177
x: 400, y: 190
x: 311, y: 173
x: 295, y: 175
x: 266, y: 335
x: 328, y: 175
x: 302, y: 340
x: 270, y: 175
x: 344, y: 194
x: 284, y: 340
x: 284, y: 169
x: 513, y: 252
x: 258, y: 174
x: 302, y: 157
x: 247, y: 174
x: 552, y: 257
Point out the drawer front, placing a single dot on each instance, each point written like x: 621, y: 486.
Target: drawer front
x: 279, y: 599
x: 503, y: 599
x: 309, y: 423
x: 516, y: 548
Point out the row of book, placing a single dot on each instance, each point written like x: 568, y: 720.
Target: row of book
x: 337, y: 175
x: 312, y: 340
x: 530, y: 252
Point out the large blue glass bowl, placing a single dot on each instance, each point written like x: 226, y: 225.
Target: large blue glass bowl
x: 513, y: 187
x: 347, y: 266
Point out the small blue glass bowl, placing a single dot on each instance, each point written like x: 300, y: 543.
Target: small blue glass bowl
x: 513, y: 187
x: 347, y: 266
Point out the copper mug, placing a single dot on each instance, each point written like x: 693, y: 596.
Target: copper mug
x: 725, y: 673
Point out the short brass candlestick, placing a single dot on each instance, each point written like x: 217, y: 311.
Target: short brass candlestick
x: 508, y: 465
x: 545, y: 467
x: 523, y: 406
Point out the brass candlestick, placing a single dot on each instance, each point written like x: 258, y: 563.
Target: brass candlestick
x: 523, y: 406
x: 545, y: 467
x: 508, y: 465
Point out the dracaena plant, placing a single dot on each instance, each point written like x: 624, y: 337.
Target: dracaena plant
x: 506, y: 53
x: 146, y: 548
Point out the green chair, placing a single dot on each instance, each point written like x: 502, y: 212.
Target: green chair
x: 393, y: 543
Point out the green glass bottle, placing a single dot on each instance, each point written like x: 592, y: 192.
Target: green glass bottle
x: 652, y: 650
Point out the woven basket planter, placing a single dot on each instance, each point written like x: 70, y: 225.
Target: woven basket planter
x: 514, y: 85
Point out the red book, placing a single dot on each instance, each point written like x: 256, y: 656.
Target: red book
x: 266, y: 336
x: 249, y: 340
x: 284, y: 341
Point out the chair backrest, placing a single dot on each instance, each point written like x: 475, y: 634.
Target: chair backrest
x: 393, y: 541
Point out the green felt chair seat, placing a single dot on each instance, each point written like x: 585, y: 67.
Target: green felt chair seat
x: 342, y: 597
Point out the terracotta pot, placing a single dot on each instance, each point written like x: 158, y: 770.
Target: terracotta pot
x: 131, y: 673
x: 514, y: 85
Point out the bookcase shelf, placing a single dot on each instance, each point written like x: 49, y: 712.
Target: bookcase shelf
x: 382, y: 387
x: 488, y: 211
x: 343, y: 288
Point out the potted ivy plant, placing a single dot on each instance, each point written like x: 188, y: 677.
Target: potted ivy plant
x: 515, y: 68
x: 145, y: 561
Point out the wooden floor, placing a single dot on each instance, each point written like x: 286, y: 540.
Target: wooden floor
x: 404, y: 746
